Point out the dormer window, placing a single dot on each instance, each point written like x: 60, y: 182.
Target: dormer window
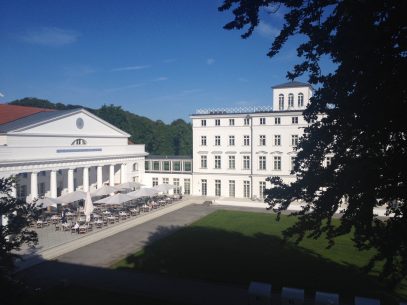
x: 79, y: 142
x: 290, y: 101
x: 281, y: 102
x: 300, y: 100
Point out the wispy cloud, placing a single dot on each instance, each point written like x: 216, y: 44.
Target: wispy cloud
x: 50, y: 36
x: 266, y: 30
x: 78, y: 71
x: 160, y: 79
x: 169, y: 60
x: 1, y: 94
x: 131, y: 68
x: 210, y: 61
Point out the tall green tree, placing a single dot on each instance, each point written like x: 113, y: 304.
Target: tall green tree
x: 361, y: 106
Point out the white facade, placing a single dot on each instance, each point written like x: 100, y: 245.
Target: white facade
x: 58, y: 152
x: 234, y: 152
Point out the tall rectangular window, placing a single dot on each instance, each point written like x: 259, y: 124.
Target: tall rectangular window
x: 232, y: 162
x: 187, y: 186
x: 203, y: 122
x: 187, y: 166
x: 262, y: 140
x: 135, y: 167
x: 217, y: 122
x: 203, y: 140
x: 246, y: 189
x: 204, y: 161
x: 217, y: 140
x: 41, y: 188
x: 294, y: 140
x: 246, y: 162
x: 262, y: 188
x: 217, y: 188
x: 231, y: 140
x: 176, y: 166
x: 277, y: 140
x: 277, y: 163
x: 292, y: 163
x: 217, y: 162
x: 294, y: 120
x: 232, y: 188
x: 246, y: 121
x: 166, y: 180
x: 262, y: 162
x: 262, y: 121
x: 204, y: 187
x: 277, y: 121
x: 177, y: 189
x: 166, y: 166
x: 21, y: 191
x: 328, y: 161
x: 147, y: 165
x: 156, y: 165
x: 155, y: 182
x: 231, y: 122
x: 246, y: 140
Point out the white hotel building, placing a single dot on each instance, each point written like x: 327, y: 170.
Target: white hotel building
x: 234, y: 150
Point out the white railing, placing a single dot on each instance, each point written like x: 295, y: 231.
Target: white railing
x: 247, y: 109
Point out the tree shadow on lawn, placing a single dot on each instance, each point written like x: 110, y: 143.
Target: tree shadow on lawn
x: 224, y: 256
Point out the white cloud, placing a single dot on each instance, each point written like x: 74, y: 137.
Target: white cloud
x: 160, y: 79
x: 1, y: 94
x: 50, y: 36
x: 266, y: 30
x: 210, y: 61
x: 131, y: 68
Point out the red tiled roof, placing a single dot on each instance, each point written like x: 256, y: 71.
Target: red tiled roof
x: 9, y: 113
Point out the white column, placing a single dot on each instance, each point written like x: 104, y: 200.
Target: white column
x: 99, y: 174
x: 34, y: 185
x: 53, y: 183
x: 111, y: 175
x: 123, y: 174
x: 86, y: 179
x: 70, y: 180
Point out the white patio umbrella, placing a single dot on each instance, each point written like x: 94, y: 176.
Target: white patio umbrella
x: 46, y: 202
x: 116, y: 199
x: 129, y: 185
x: 144, y: 192
x: 88, y: 207
x: 164, y: 187
x: 71, y: 197
x: 104, y: 190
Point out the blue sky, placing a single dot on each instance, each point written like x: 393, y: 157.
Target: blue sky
x: 160, y: 59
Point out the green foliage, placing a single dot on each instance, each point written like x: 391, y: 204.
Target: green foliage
x: 159, y: 138
x: 361, y: 103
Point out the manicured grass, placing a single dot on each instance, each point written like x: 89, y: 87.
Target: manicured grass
x: 240, y: 247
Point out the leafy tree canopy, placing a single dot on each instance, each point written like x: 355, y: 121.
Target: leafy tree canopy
x: 361, y: 106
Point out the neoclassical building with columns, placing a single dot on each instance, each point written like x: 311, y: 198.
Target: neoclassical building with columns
x: 56, y: 152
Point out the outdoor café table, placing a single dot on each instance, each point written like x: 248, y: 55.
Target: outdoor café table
x: 81, y: 219
x: 161, y: 202
x: 106, y: 213
x: 99, y: 224
x: 134, y: 211
x: 111, y: 219
x: 40, y: 223
x: 83, y: 229
x: 145, y: 208
x: 65, y: 226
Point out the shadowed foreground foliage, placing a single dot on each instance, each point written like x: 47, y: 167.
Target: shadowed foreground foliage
x: 240, y: 247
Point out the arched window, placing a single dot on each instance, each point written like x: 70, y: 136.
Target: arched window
x: 79, y: 142
x: 135, y: 167
x: 290, y: 100
x: 281, y: 102
x: 300, y: 100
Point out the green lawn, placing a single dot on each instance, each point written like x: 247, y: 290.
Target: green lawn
x: 239, y: 247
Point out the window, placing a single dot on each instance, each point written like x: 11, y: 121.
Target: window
x: 166, y: 166
x: 246, y: 162
x: 203, y: 140
x: 231, y: 140
x: 262, y: 121
x: 204, y: 187
x: 328, y: 161
x: 155, y: 182
x: 277, y: 140
x: 166, y: 180
x: 262, y: 140
x: 217, y: 140
x: 21, y: 191
x: 262, y: 188
x: 300, y: 100
x: 177, y: 189
x: 246, y: 140
x: 204, y: 161
x: 176, y: 166
x: 135, y: 167
x: 187, y: 166
x: 156, y: 165
x: 290, y: 100
x: 217, y: 162
x: 232, y: 188
x: 294, y: 140
x: 277, y: 121
x: 147, y: 165
x: 232, y: 162
x: 246, y: 189
x: 294, y: 120
x: 203, y: 122
x: 281, y: 102
x: 262, y: 162
x: 247, y: 121
x: 277, y: 163
x: 187, y: 186
x: 292, y: 163
x: 217, y: 188
x: 42, y: 174
x: 231, y: 122
x: 79, y: 142
x: 217, y: 122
